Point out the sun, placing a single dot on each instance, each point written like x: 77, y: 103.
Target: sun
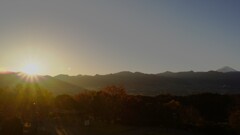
x: 31, y: 69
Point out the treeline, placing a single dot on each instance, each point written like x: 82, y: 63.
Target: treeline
x: 203, y: 112
x: 210, y: 113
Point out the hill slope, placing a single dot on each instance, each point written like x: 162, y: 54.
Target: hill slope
x: 56, y: 86
x: 182, y: 83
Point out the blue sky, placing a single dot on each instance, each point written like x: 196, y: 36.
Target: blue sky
x: 107, y: 36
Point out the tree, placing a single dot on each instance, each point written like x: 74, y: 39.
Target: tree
x: 191, y: 116
x: 65, y: 102
x: 84, y: 101
x: 234, y: 120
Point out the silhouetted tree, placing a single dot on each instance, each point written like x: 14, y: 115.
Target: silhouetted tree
x: 12, y: 126
x: 65, y: 102
x: 191, y: 116
x: 84, y: 101
x: 234, y: 120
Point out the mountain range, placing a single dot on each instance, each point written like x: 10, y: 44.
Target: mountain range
x: 226, y: 69
x: 180, y: 83
x: 14, y: 80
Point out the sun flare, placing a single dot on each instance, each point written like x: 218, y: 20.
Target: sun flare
x: 31, y: 69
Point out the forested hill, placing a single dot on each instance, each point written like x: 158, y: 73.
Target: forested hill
x: 181, y: 83
x: 9, y: 81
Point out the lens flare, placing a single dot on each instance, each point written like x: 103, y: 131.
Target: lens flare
x: 31, y: 69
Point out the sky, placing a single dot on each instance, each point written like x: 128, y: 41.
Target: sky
x: 107, y: 36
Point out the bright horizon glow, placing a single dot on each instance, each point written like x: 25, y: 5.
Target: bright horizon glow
x: 31, y: 69
x: 91, y: 37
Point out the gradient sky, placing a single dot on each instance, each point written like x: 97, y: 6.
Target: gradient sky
x: 106, y: 36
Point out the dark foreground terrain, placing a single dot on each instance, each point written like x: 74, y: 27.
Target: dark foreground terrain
x: 53, y: 128
x: 32, y: 110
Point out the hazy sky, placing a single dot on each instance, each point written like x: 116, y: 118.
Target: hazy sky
x: 107, y: 36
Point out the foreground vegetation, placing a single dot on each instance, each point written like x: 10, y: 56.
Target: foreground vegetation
x: 32, y: 109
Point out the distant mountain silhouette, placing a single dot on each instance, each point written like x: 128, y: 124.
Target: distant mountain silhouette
x: 181, y: 83
x: 12, y: 80
x: 227, y: 69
